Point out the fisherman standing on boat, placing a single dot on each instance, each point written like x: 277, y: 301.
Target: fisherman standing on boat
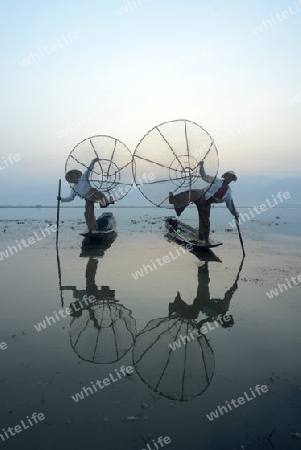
x: 82, y: 188
x: 218, y: 192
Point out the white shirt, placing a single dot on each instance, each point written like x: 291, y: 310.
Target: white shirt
x: 216, y: 183
x: 82, y: 187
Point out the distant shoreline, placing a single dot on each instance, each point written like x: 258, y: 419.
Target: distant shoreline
x: 69, y: 207
x: 132, y: 206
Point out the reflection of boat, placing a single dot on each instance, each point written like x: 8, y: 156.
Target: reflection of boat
x: 203, y: 255
x: 97, y: 247
x: 106, y: 227
x: 186, y: 235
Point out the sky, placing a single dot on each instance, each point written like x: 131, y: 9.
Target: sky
x: 75, y: 69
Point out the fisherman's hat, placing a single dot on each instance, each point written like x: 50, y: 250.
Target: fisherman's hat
x: 230, y: 172
x: 73, y: 175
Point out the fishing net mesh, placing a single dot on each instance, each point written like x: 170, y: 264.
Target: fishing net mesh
x: 112, y: 173
x: 104, y: 333
x: 179, y: 372
x: 167, y: 160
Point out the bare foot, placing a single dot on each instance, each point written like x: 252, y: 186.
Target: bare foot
x: 179, y: 211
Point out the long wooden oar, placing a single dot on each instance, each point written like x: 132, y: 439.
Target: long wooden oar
x: 58, y: 213
x: 240, y: 238
x: 59, y: 274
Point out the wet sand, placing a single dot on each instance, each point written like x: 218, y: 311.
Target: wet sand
x: 133, y: 322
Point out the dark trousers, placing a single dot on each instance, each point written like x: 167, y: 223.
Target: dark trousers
x: 196, y: 196
x: 203, y: 207
x: 89, y: 216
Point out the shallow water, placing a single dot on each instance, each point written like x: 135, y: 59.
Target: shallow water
x: 133, y: 322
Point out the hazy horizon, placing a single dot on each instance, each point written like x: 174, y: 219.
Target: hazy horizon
x: 247, y: 191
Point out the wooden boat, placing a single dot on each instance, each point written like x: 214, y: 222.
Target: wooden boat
x: 186, y: 235
x: 106, y: 228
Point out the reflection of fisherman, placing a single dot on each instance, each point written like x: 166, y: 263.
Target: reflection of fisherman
x: 91, y: 294
x: 214, y: 309
x: 182, y: 372
x: 82, y: 188
x: 218, y: 192
x: 176, y: 371
x: 102, y: 330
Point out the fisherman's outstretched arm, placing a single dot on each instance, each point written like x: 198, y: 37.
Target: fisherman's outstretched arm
x: 85, y: 176
x: 230, y: 205
x: 68, y: 199
x: 92, y: 164
x: 203, y: 174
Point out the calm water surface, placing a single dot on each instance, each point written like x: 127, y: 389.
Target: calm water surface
x: 135, y: 322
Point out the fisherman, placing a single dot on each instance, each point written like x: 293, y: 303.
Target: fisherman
x: 218, y: 192
x: 82, y: 188
x: 215, y: 309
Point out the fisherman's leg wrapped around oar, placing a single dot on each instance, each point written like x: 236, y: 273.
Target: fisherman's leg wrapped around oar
x: 181, y: 200
x: 196, y: 196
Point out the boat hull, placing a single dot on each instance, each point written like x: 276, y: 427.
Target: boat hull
x: 106, y: 228
x: 186, y: 235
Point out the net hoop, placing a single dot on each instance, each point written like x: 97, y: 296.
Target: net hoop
x: 171, y: 152
x: 112, y: 173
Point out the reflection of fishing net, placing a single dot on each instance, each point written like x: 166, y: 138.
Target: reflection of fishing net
x: 167, y: 160
x: 180, y: 374
x: 104, y: 333
x: 112, y: 174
